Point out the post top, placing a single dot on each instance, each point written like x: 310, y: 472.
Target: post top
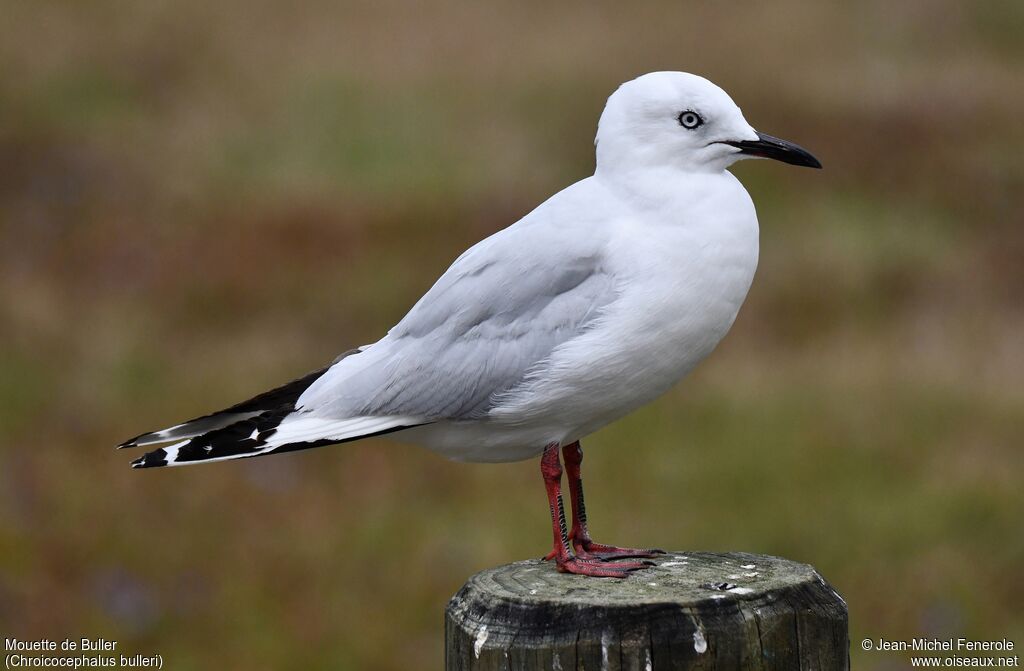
x: 707, y: 610
x: 678, y: 578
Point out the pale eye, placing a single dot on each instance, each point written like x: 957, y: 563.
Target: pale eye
x: 690, y: 120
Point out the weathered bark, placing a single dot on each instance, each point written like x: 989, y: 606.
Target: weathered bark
x: 693, y: 610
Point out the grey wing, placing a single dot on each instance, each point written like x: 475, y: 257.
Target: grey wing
x: 499, y: 311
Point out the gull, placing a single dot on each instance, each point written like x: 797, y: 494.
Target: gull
x: 590, y: 306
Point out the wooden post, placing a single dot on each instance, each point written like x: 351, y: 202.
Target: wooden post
x: 693, y: 610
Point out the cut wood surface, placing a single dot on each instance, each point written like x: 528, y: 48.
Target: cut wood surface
x: 692, y: 610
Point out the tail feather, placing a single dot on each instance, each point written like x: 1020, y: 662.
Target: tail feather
x: 272, y: 434
x: 277, y: 399
x: 265, y: 424
x: 190, y: 429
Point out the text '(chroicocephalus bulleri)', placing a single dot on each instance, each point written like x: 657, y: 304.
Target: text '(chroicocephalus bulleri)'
x: 590, y: 306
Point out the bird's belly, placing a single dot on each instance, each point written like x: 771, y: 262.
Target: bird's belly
x: 484, y: 440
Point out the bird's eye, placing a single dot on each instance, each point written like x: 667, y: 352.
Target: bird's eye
x: 690, y: 120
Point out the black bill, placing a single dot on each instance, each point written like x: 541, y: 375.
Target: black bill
x: 767, y: 146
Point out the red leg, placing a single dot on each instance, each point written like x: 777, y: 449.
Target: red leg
x: 551, y: 469
x: 585, y: 546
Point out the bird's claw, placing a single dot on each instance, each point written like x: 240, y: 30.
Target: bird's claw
x: 612, y: 558
x: 598, y: 568
x: 591, y: 550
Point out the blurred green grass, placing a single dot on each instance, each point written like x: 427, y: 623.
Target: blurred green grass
x: 197, y: 202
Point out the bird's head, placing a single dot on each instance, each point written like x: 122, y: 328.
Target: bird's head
x: 675, y: 119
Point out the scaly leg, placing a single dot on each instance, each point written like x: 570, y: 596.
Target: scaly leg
x: 585, y: 547
x: 551, y: 469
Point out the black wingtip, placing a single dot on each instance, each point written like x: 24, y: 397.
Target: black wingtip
x: 276, y: 400
x: 132, y: 442
x: 152, y: 459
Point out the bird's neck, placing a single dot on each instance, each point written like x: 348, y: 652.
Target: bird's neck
x: 656, y: 187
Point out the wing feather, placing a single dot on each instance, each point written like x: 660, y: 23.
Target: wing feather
x: 498, y: 312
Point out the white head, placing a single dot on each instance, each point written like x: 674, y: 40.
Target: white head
x: 678, y: 120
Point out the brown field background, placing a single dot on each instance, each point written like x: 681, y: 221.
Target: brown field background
x: 200, y: 200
